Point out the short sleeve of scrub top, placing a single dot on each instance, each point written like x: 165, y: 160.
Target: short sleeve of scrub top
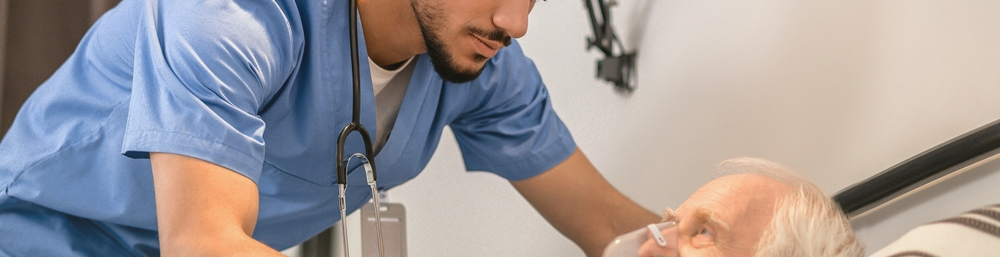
x: 201, y: 82
x: 510, y: 128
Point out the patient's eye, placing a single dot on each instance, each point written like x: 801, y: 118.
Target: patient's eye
x: 705, y: 234
x: 703, y: 238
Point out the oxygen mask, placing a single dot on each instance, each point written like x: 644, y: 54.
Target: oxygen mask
x: 655, y: 240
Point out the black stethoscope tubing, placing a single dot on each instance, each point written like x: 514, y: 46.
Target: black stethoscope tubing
x: 355, y: 125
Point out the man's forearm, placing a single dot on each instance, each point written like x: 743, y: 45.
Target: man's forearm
x: 576, y: 199
x: 204, y: 209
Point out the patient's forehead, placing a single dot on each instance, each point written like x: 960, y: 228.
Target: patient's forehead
x: 738, y: 186
x: 738, y: 196
x: 746, y: 182
x: 742, y: 202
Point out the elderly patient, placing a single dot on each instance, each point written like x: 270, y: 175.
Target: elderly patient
x: 756, y: 208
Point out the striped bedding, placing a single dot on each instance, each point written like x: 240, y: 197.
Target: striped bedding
x: 974, y: 233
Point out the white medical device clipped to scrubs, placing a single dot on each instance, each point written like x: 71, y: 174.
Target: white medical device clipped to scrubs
x: 355, y: 125
x: 658, y: 239
x: 392, y: 219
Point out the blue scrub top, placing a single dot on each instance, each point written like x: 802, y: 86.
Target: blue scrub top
x: 260, y: 87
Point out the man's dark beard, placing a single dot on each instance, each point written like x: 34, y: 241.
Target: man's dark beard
x: 443, y: 62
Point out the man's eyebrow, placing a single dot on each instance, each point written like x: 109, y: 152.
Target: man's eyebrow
x: 709, y: 217
x: 703, y: 214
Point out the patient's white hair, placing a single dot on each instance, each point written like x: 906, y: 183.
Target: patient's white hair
x: 805, y: 223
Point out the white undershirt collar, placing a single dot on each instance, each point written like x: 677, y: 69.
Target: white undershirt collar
x: 381, y: 77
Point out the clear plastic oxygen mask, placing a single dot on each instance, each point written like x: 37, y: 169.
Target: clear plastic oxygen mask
x: 655, y: 240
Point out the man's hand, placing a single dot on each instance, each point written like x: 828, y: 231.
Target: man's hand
x: 204, y: 209
x: 582, y: 205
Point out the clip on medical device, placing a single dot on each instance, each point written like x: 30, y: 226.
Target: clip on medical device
x: 355, y: 125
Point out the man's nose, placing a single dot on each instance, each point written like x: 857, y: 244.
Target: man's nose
x: 512, y: 17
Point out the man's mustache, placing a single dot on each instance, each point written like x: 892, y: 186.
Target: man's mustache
x: 498, y: 35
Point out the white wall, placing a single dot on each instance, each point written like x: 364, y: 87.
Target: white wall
x: 838, y: 90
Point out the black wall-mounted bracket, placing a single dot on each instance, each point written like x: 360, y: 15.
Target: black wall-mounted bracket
x: 617, y: 67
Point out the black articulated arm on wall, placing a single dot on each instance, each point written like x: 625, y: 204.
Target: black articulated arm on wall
x: 617, y: 67
x: 921, y: 169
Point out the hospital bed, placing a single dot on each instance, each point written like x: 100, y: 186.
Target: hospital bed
x: 971, y: 233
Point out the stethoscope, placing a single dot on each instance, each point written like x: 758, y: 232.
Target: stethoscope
x: 355, y: 125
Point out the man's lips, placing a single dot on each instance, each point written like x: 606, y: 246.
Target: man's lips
x: 486, y: 47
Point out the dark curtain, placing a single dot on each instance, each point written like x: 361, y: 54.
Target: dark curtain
x: 36, y: 36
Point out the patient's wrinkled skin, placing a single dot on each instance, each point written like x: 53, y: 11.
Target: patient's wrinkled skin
x: 726, y: 217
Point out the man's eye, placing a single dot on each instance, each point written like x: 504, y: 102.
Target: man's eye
x: 704, y: 238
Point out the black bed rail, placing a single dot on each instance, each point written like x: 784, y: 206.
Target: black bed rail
x: 919, y: 170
